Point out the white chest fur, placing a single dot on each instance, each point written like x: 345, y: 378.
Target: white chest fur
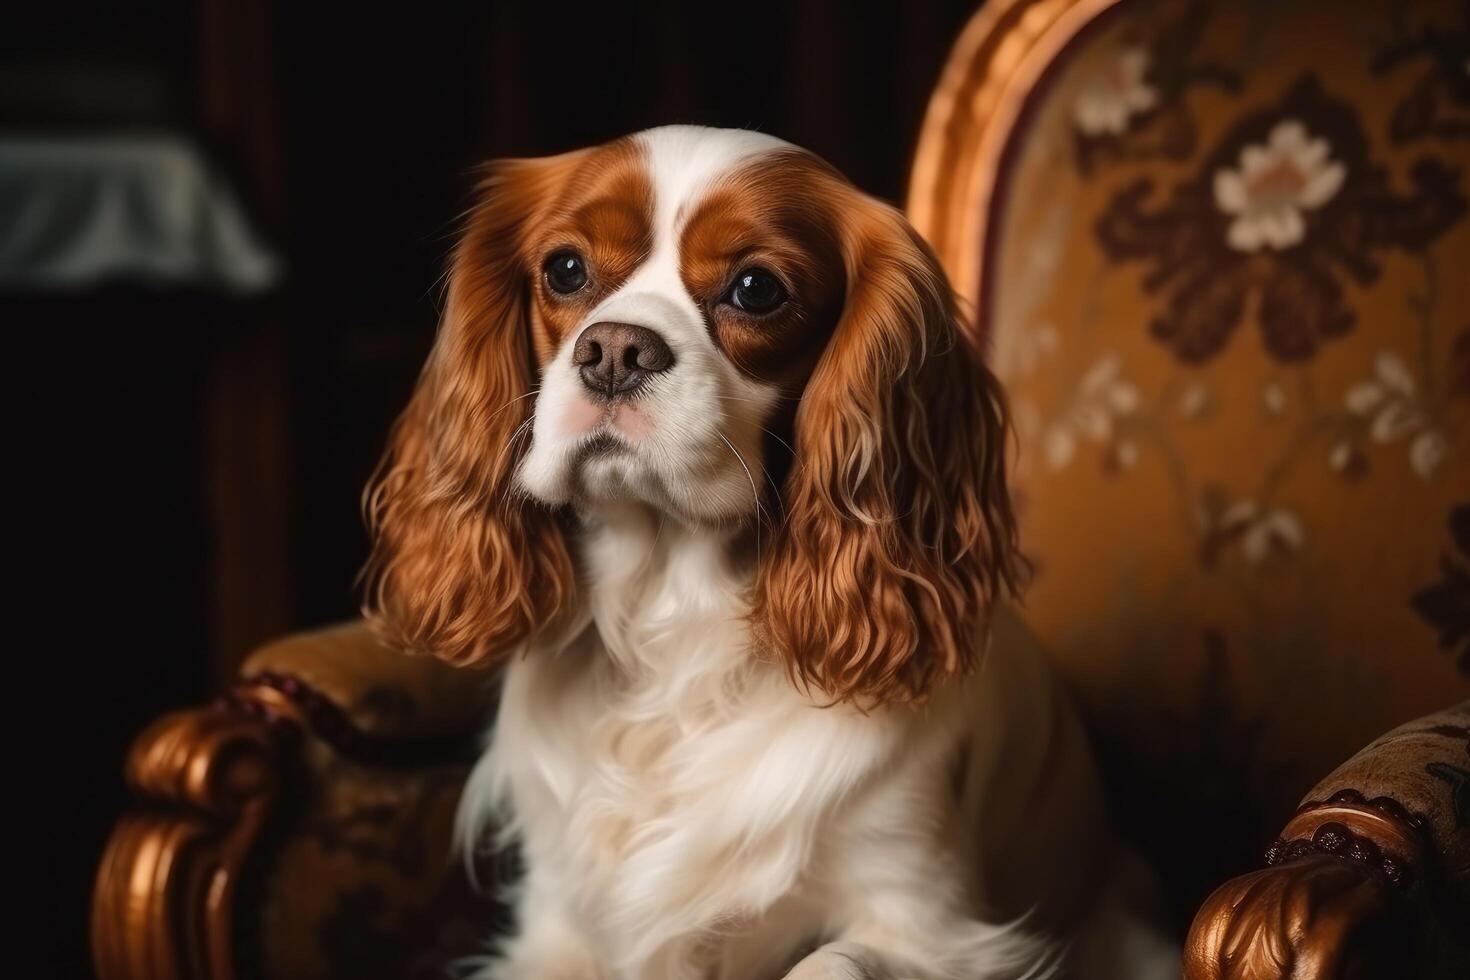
x: 681, y: 792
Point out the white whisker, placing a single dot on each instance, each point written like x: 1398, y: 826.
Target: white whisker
x: 760, y: 511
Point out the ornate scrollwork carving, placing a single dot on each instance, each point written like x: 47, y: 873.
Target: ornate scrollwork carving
x: 1319, y: 916
x: 169, y: 882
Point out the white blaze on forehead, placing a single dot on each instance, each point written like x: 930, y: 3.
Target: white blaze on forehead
x: 684, y: 160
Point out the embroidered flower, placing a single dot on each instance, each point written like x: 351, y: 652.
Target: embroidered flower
x: 1287, y: 206
x: 1262, y: 532
x: 1346, y: 457
x: 1273, y: 184
x: 1133, y: 105
x: 1121, y: 455
x: 1389, y: 404
x: 1116, y: 93
x: 1427, y: 452
x: 1102, y: 397
x: 1272, y: 532
x: 1273, y: 399
x: 1195, y: 401
x: 1023, y: 350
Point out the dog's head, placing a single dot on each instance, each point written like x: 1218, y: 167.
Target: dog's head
x: 715, y: 325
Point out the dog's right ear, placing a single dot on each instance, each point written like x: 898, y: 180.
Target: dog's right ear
x: 463, y: 566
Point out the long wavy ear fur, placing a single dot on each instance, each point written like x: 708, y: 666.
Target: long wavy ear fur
x: 898, y: 532
x: 462, y: 565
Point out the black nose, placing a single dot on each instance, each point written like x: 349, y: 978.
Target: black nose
x: 615, y: 358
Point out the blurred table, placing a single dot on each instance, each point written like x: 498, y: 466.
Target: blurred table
x: 78, y: 211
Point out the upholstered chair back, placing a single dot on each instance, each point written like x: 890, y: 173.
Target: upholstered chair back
x: 1220, y: 254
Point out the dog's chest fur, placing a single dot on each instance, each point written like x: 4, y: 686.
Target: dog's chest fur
x: 682, y: 787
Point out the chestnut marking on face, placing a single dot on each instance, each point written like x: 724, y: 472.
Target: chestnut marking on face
x: 593, y: 232
x: 762, y: 257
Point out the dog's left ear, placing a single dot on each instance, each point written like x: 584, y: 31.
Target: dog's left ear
x: 898, y: 532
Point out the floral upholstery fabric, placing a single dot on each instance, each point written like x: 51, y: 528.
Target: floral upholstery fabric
x: 358, y: 876
x: 1232, y: 309
x: 365, y: 883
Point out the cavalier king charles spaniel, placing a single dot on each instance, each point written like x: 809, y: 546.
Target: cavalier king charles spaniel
x: 705, y: 458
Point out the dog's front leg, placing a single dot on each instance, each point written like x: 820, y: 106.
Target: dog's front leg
x: 951, y: 949
x: 540, y: 953
x: 546, y: 945
x: 844, y: 960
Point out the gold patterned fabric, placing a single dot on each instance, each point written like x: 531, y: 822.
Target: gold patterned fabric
x: 365, y: 884
x: 1228, y: 288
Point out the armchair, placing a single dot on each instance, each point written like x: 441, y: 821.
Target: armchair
x: 299, y: 826
x: 1211, y: 246
x: 1207, y: 244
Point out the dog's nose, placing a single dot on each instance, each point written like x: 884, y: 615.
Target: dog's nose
x: 616, y: 358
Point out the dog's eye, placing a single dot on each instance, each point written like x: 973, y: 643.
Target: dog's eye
x: 566, y: 272
x: 756, y: 291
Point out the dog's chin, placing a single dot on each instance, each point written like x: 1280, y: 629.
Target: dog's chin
x: 599, y: 470
x: 603, y: 472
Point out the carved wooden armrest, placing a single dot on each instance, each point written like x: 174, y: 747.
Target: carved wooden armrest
x: 1370, y: 878
x: 178, y: 882
x: 167, y: 887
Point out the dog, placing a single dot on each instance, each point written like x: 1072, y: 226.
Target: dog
x: 704, y: 456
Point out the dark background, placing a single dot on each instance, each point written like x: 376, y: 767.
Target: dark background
x: 192, y: 463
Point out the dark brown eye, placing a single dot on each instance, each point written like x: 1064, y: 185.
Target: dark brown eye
x: 565, y: 272
x: 756, y: 291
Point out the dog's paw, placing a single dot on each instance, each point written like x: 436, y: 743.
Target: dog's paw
x: 841, y: 961
x: 559, y: 963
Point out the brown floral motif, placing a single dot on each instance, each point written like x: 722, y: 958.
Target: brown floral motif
x: 1391, y: 407
x: 1288, y: 201
x: 382, y: 825
x: 1445, y: 605
x: 1438, y: 105
x: 366, y: 934
x: 1097, y: 412
x: 1131, y: 107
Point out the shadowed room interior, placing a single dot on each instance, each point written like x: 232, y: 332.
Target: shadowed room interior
x: 1213, y: 251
